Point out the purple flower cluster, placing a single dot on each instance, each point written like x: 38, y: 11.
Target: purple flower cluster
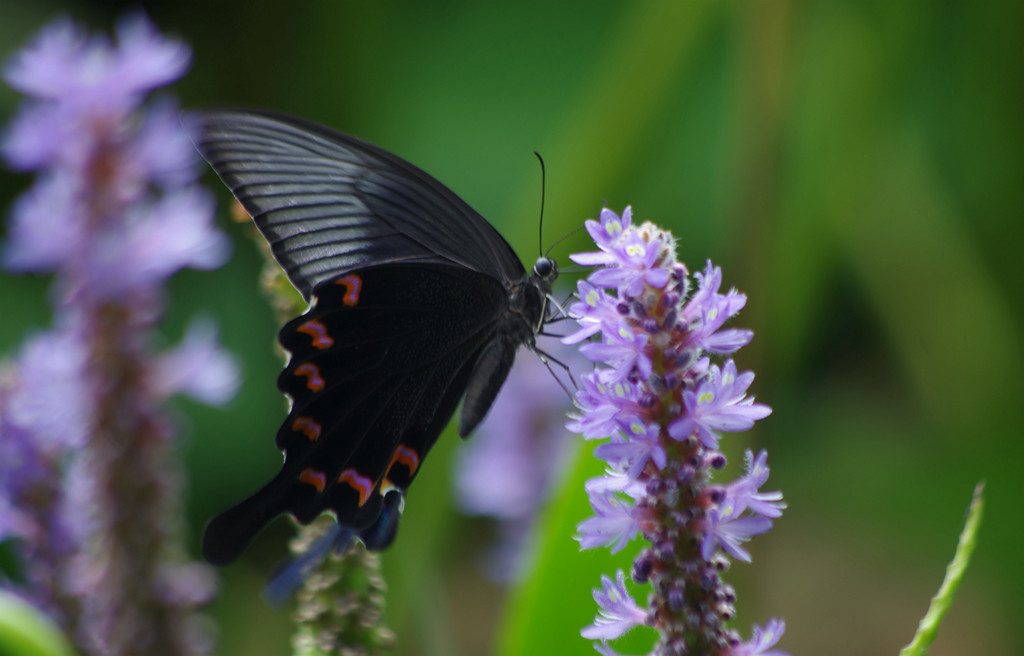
x: 662, y: 404
x: 88, y: 483
x: 93, y: 213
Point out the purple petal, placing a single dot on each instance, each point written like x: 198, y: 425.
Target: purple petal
x: 162, y: 149
x: 197, y: 367
x: 611, y: 277
x: 588, y: 330
x: 53, y: 399
x: 618, y: 611
x: 762, y: 642
x: 47, y: 226
x: 614, y: 524
x: 36, y: 137
x: 146, y: 59
x: 657, y: 278
x: 728, y: 341
x: 41, y: 68
x: 593, y: 258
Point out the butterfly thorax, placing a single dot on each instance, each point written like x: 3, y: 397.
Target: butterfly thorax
x: 528, y: 299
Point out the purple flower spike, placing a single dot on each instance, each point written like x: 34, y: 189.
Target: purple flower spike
x: 88, y: 475
x: 663, y: 405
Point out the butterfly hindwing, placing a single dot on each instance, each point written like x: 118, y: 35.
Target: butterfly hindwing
x: 373, y: 381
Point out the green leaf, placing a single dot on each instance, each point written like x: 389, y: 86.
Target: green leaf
x: 928, y: 629
x: 549, y: 607
x: 26, y: 631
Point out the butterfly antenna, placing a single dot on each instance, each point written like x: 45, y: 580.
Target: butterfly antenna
x: 543, y: 185
x: 540, y: 227
x: 563, y: 238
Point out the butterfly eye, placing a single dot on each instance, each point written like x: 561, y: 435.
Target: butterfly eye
x: 545, y: 267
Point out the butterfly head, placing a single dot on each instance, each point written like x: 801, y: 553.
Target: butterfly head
x: 546, y: 269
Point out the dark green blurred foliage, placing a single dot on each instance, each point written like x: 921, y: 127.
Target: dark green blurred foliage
x: 856, y: 168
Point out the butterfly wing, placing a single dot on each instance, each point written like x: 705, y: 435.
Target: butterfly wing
x: 329, y: 203
x: 378, y: 366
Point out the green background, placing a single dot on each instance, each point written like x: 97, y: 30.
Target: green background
x: 856, y: 168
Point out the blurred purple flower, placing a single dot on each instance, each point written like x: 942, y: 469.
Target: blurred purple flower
x: 507, y: 470
x: 44, y: 408
x: 51, y: 396
x: 87, y: 85
x: 603, y: 648
x: 47, y: 209
x: 89, y: 481
x: 154, y: 242
x: 197, y: 367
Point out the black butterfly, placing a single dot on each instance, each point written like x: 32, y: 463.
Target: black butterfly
x: 416, y: 303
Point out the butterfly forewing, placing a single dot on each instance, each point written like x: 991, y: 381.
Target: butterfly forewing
x: 329, y: 203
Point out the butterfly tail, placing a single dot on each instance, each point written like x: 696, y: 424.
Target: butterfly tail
x: 337, y: 538
x: 228, y: 534
x: 289, y: 578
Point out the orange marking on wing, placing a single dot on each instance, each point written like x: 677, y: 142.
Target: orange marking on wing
x: 315, y: 478
x: 318, y: 332
x: 309, y: 426
x: 312, y: 373
x: 353, y: 284
x: 360, y: 484
x: 405, y: 456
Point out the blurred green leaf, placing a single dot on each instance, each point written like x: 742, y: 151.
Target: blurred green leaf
x: 547, y: 609
x: 25, y: 631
